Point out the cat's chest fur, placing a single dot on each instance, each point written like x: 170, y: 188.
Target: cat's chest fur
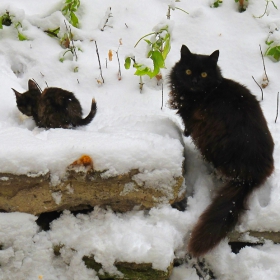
x: 216, y: 111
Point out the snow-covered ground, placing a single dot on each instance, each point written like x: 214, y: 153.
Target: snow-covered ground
x: 129, y: 131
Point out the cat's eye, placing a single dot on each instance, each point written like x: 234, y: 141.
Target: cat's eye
x: 188, y: 72
x: 203, y: 74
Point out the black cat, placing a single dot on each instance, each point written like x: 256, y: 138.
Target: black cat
x: 227, y: 125
x: 53, y: 108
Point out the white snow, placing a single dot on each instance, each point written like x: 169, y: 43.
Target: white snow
x: 130, y: 131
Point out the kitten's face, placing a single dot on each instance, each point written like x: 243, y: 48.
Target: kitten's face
x: 198, y: 73
x: 27, y: 100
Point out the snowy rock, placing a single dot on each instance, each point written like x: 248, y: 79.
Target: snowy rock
x: 82, y: 187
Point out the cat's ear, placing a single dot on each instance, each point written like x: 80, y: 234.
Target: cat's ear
x: 214, y: 56
x: 18, y: 95
x: 32, y: 85
x: 185, y: 52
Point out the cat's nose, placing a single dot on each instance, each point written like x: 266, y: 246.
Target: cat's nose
x: 194, y: 80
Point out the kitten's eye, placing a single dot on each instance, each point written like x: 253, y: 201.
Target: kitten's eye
x: 188, y: 72
x: 203, y: 74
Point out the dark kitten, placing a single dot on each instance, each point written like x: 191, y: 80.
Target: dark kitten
x: 53, y: 108
x: 227, y: 125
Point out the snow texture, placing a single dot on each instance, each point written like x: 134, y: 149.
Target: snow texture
x: 130, y: 131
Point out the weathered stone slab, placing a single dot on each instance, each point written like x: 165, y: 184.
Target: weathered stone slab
x: 80, y: 188
x: 254, y: 236
x: 130, y: 271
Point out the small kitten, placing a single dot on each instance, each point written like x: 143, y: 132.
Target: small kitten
x: 227, y: 126
x: 53, y: 108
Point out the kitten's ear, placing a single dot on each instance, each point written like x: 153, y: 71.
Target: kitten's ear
x: 185, y: 52
x: 214, y: 56
x: 32, y: 85
x: 18, y: 95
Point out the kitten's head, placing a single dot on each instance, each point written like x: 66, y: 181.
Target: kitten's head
x: 196, y: 72
x: 27, y: 101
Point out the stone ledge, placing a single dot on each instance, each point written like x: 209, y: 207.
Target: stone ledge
x: 130, y: 271
x: 254, y: 237
x: 79, y: 190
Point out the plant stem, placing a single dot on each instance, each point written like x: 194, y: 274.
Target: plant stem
x: 168, y: 12
x: 120, y: 73
x: 181, y: 10
x: 99, y: 62
x: 277, y: 107
x: 258, y: 86
x: 161, y: 96
x: 263, y: 64
x: 107, y: 19
x: 144, y: 37
x: 72, y: 48
x: 37, y: 85
x: 141, y: 84
x: 264, y: 10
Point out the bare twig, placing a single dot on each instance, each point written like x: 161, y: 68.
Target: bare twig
x: 258, y: 86
x: 99, y: 62
x: 277, y: 107
x: 141, y: 84
x: 168, y: 12
x: 78, y: 81
x: 161, y: 96
x: 70, y: 36
x: 264, y: 11
x: 108, y: 15
x: 266, y: 77
x: 126, y: 25
x: 117, y: 52
x: 37, y: 85
x: 46, y: 84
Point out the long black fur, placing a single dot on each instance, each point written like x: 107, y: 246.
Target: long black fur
x: 227, y: 125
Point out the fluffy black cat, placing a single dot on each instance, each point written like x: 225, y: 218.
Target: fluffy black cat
x: 227, y: 126
x: 53, y: 108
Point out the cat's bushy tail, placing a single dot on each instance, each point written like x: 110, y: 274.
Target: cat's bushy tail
x: 220, y: 217
x: 90, y: 116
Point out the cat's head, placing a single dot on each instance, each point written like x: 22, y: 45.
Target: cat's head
x: 196, y: 72
x: 27, y: 101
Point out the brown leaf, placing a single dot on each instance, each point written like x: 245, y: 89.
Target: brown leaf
x: 159, y: 77
x: 84, y: 160
x: 110, y: 55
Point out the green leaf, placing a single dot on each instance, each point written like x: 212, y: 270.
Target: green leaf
x: 1, y: 19
x: 127, y: 63
x: 158, y: 59
x: 148, y: 41
x: 74, y: 19
x: 167, y: 47
x: 143, y: 71
x: 53, y: 32
x: 21, y: 37
x: 269, y: 43
x: 274, y: 52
